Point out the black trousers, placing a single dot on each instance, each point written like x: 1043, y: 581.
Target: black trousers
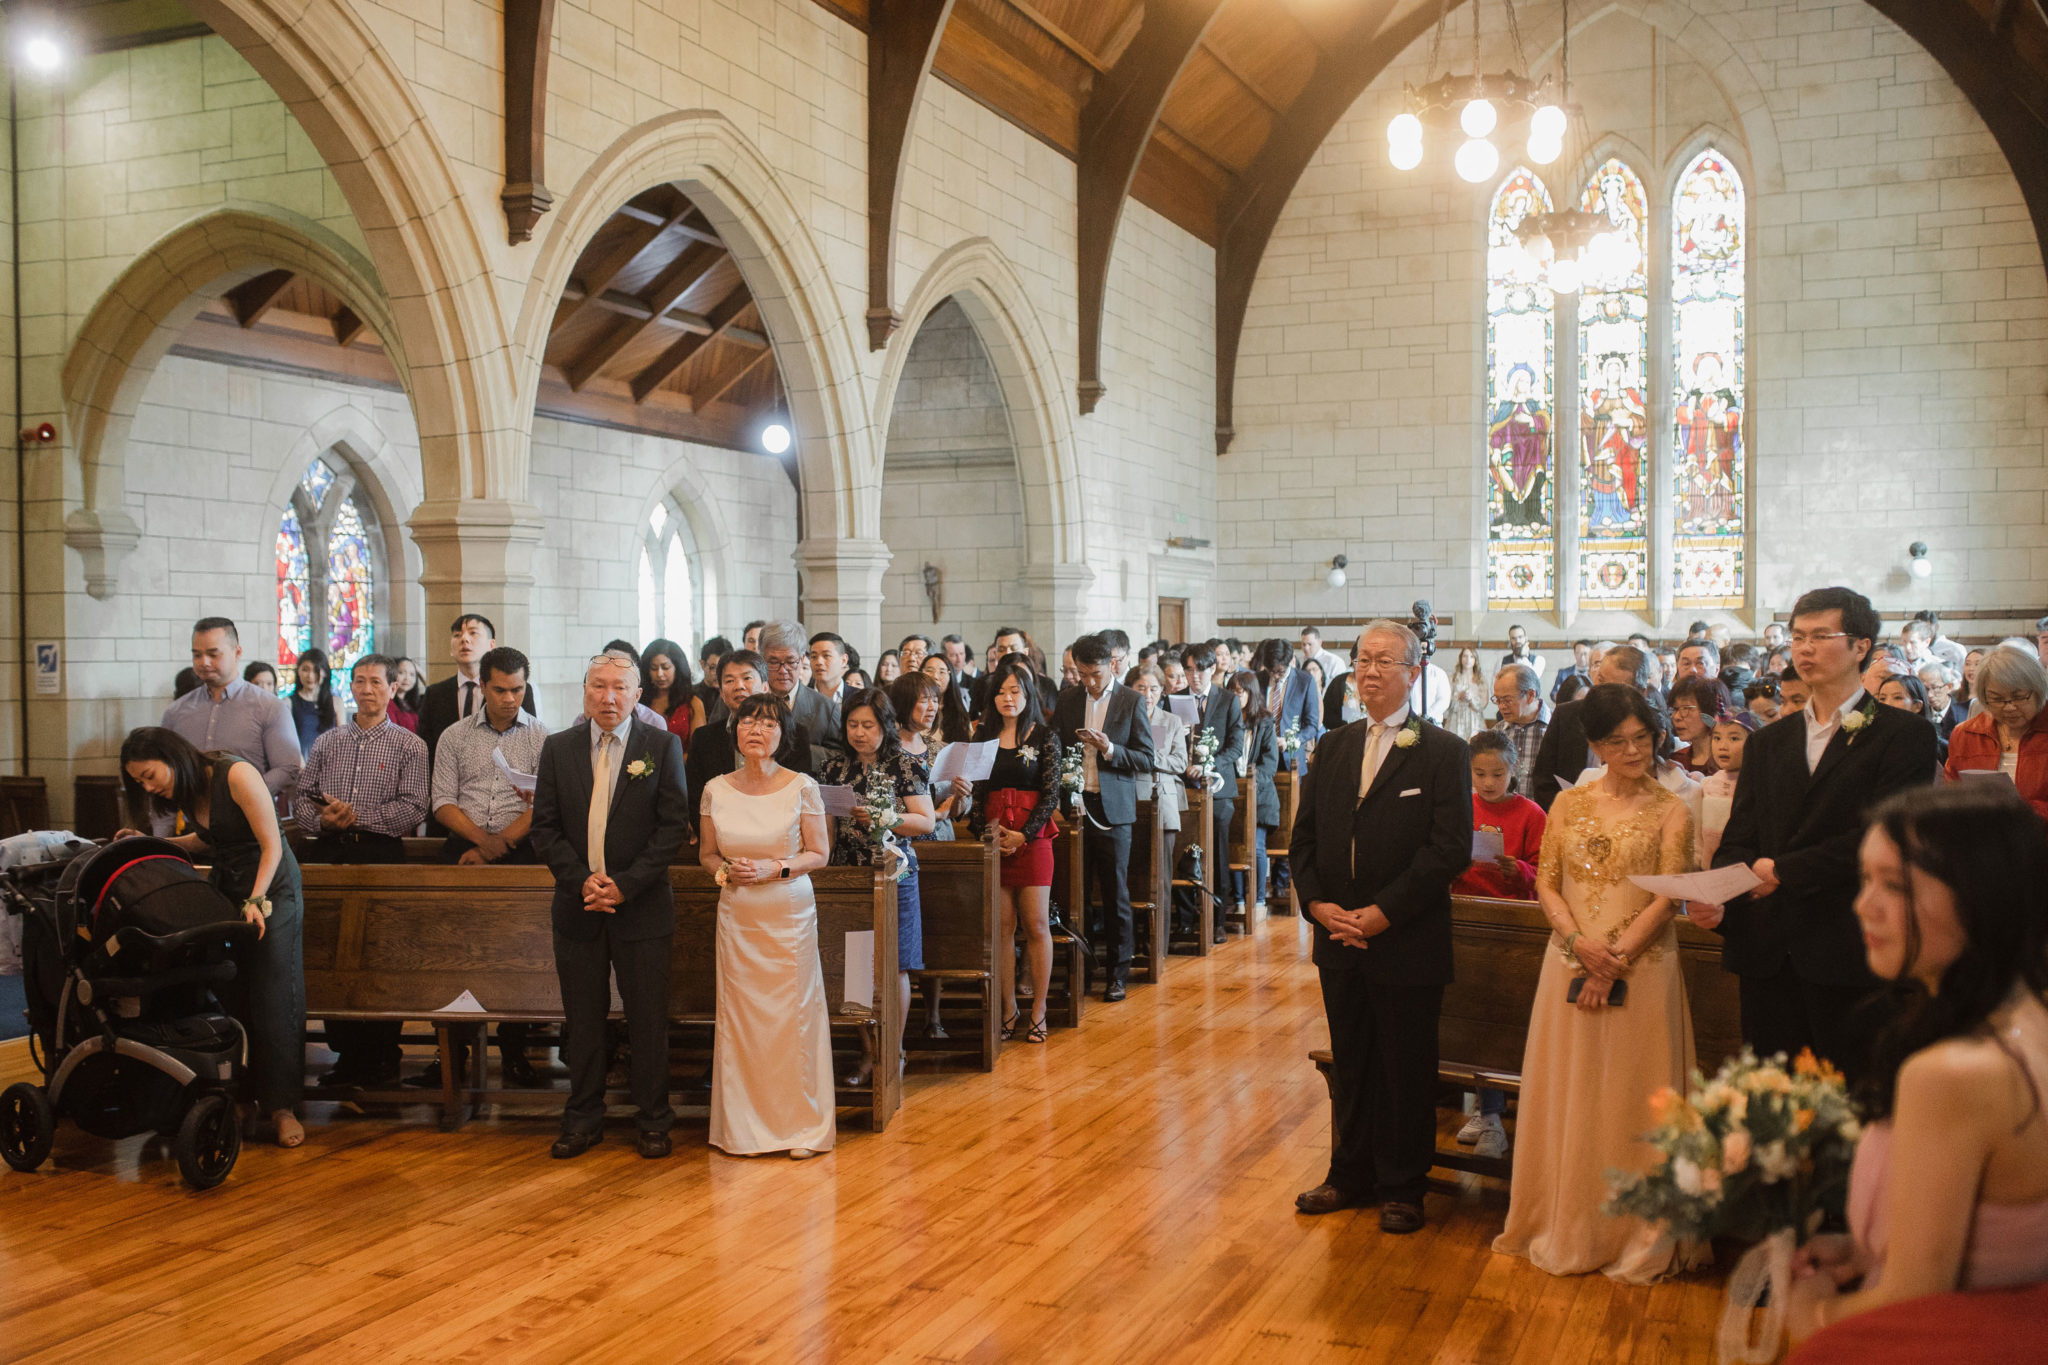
x: 362, y: 1047
x: 1383, y: 1048
x: 1220, y: 876
x: 1107, y: 850
x: 585, y: 968
x: 1784, y: 1013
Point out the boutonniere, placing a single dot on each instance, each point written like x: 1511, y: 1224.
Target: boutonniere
x: 638, y: 769
x: 1853, y: 723
x: 1027, y: 755
x: 1411, y: 734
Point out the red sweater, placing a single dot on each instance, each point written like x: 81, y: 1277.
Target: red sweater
x: 1520, y: 822
x: 1974, y: 744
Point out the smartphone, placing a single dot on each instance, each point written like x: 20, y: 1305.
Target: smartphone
x: 1617, y: 992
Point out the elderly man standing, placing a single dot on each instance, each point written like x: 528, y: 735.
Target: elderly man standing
x: 1518, y: 696
x: 1385, y: 827
x: 225, y: 713
x: 609, y: 814
x: 815, y: 716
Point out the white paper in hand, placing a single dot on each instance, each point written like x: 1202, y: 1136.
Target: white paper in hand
x: 974, y: 762
x: 464, y: 1003
x: 524, y: 782
x: 1717, y: 886
x: 1567, y: 783
x: 1187, y: 708
x: 1487, y: 844
x: 839, y: 800
x: 860, y: 968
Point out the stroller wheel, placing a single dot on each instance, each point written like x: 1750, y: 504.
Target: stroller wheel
x: 28, y: 1126
x: 208, y: 1141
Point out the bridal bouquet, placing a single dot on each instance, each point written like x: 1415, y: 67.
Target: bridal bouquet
x: 1761, y: 1152
x: 1290, y: 738
x: 1201, y: 770
x: 1072, y: 775
x: 878, y: 799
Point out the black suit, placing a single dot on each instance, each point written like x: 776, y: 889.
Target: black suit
x: 649, y: 818
x: 1111, y: 810
x: 1222, y: 714
x: 816, y: 717
x: 1562, y: 754
x: 1805, y: 981
x: 1399, y: 849
x: 712, y: 754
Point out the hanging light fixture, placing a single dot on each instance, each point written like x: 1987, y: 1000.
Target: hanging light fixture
x: 1569, y: 246
x: 1478, y: 106
x: 776, y: 437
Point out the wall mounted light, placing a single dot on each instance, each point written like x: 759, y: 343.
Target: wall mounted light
x: 42, y: 52
x: 775, y: 438
x: 1920, y: 566
x: 1335, y: 577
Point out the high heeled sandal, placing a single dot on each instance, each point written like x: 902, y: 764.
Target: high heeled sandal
x: 1036, y: 1033
x: 1010, y: 1025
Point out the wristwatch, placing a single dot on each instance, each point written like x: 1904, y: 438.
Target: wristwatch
x: 784, y: 874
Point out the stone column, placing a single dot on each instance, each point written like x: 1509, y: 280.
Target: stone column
x: 476, y: 555
x: 1058, y: 601
x: 842, y: 589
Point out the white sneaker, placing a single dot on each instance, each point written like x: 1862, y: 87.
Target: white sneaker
x: 1474, y: 1126
x: 1493, y: 1139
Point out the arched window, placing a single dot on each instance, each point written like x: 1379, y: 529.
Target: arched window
x: 328, y: 558
x: 1520, y: 538
x: 1614, y: 411
x: 668, y: 605
x: 1707, y: 448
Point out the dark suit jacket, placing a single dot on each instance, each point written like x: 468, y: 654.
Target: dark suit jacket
x: 1221, y: 713
x: 1333, y: 705
x: 441, y: 707
x: 712, y: 754
x: 1299, y: 703
x: 1130, y: 737
x: 648, y: 823
x: 1811, y: 824
x: 1562, y: 753
x: 1264, y: 748
x: 817, y: 720
x: 1400, y: 849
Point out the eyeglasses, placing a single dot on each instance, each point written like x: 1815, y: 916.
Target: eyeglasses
x: 1994, y: 702
x: 1685, y: 709
x: 1374, y: 663
x: 1627, y: 746
x: 760, y: 723
x: 1816, y: 637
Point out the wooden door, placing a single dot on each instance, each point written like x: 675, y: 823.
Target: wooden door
x: 1173, y: 619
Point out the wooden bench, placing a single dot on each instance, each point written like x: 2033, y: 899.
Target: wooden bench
x: 400, y: 942
x: 1071, y: 954
x: 1197, y: 829
x: 1278, y: 843
x: 1149, y: 879
x: 957, y: 883
x: 1497, y: 952
x: 1243, y: 853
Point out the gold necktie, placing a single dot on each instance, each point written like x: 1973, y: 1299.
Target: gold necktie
x: 600, y: 801
x: 1374, y: 742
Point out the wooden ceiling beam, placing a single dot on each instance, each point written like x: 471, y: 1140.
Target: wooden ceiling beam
x: 903, y: 38
x: 254, y: 297
x: 1252, y: 206
x: 1059, y: 35
x: 679, y: 279
x: 690, y: 223
x: 347, y: 326
x: 682, y: 319
x: 529, y: 24
x: 725, y: 385
x: 1116, y: 125
x: 685, y: 349
x: 620, y: 260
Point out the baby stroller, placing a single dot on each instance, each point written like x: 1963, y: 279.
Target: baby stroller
x: 120, y: 946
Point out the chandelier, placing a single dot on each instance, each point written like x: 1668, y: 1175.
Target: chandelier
x: 1478, y: 105
x: 1570, y: 246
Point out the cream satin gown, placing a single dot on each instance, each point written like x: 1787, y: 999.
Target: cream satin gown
x: 771, y: 1060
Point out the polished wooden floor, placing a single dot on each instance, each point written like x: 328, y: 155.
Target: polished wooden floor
x: 1122, y: 1194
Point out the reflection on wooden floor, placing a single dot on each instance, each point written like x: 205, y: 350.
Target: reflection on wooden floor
x: 1124, y: 1193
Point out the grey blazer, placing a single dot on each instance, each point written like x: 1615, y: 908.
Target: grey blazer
x: 1169, y: 759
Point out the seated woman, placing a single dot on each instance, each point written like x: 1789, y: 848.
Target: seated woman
x: 233, y: 823
x: 872, y: 762
x: 2010, y: 735
x: 1950, y: 1185
x: 762, y: 833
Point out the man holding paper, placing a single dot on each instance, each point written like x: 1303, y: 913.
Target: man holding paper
x: 1108, y: 722
x: 1797, y: 820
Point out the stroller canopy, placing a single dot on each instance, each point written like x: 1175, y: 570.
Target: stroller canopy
x: 144, y: 884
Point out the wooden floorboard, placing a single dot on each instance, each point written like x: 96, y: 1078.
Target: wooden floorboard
x: 1122, y: 1193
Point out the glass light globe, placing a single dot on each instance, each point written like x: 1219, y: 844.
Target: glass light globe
x: 1477, y: 118
x: 1403, y: 129
x: 1405, y: 156
x: 42, y: 54
x: 1543, y: 150
x: 1564, y: 275
x: 1335, y: 578
x: 1476, y: 160
x: 1921, y: 568
x: 775, y: 438
x: 1547, y: 123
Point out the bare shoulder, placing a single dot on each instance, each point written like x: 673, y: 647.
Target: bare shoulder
x: 1960, y: 1077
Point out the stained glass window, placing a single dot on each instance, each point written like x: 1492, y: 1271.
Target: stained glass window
x: 1520, y: 555
x: 318, y: 478
x: 1614, y: 413
x: 294, y: 605
x: 351, y: 620
x: 1707, y: 384
x: 675, y: 591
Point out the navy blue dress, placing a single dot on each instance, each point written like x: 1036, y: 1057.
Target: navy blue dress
x: 854, y: 845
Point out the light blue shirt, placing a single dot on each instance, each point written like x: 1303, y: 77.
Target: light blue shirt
x: 248, y: 722
x: 618, y: 754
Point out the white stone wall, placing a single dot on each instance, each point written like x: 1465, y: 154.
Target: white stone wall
x: 1897, y: 345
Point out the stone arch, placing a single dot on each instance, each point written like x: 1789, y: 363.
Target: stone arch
x: 707, y: 536
x: 729, y: 180
x: 138, y: 319
x: 359, y: 112
x: 977, y: 276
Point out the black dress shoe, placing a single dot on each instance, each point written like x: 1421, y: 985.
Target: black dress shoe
x: 1399, y: 1217
x: 519, y: 1073
x: 430, y: 1079
x: 339, y: 1078
x: 1327, y: 1199
x: 1113, y: 992
x: 570, y: 1145
x: 654, y: 1146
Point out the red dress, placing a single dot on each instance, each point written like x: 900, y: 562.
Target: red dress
x: 1022, y: 793
x: 1520, y: 822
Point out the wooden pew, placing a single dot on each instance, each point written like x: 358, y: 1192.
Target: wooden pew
x: 400, y: 942
x: 1497, y: 953
x: 958, y: 891
x: 1197, y: 828
x: 1243, y: 852
x: 1071, y: 959
x: 1289, y: 788
x: 1149, y: 878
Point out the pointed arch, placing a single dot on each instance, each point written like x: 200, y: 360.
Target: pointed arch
x: 1613, y: 434
x: 1520, y: 357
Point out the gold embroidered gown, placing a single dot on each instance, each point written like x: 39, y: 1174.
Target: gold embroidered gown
x: 1587, y: 1076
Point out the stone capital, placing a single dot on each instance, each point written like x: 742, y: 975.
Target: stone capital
x: 842, y: 586
x: 103, y: 539
x: 476, y: 555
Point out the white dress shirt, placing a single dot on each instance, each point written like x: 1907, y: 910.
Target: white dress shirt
x: 1094, y: 713
x: 1819, y: 732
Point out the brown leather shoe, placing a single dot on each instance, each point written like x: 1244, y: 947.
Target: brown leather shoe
x: 1399, y: 1218
x: 1327, y: 1199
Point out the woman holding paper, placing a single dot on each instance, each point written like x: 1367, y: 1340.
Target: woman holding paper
x: 1015, y: 806
x: 1611, y: 1026
x: 918, y: 718
x: 2010, y: 735
x: 762, y: 835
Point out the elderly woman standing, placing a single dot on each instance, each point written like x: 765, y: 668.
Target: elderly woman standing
x: 1169, y: 748
x: 2010, y: 735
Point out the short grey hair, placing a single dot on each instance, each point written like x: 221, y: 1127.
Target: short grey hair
x: 2011, y: 671
x: 1944, y: 674
x: 617, y: 659
x: 784, y: 634
x: 1524, y: 676
x: 1411, y: 647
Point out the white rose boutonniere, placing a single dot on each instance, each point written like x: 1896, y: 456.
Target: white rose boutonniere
x: 1027, y: 755
x: 1855, y: 721
x: 638, y: 769
x: 1411, y: 734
